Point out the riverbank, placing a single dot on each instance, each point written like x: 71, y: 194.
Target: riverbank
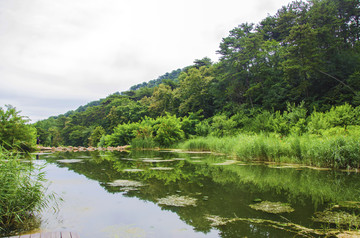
x: 339, y: 148
x: 44, y: 149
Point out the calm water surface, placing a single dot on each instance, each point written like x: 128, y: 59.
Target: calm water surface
x: 93, y: 207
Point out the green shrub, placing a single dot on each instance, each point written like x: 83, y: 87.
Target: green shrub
x: 203, y: 128
x: 317, y: 123
x: 168, y: 130
x: 189, y: 124
x: 343, y: 116
x: 222, y: 126
x: 122, y: 135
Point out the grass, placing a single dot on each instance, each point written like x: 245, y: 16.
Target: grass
x: 22, y: 194
x: 336, y: 150
x: 143, y: 143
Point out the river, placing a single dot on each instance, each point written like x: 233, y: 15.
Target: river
x: 187, y: 194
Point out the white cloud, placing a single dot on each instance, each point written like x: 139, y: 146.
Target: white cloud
x: 61, y: 54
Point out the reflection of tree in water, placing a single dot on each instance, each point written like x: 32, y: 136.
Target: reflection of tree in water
x: 226, y: 191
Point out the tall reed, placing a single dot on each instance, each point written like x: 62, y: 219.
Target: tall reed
x: 22, y: 193
x: 337, y: 148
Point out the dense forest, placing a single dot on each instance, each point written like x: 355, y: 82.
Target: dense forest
x: 285, y: 74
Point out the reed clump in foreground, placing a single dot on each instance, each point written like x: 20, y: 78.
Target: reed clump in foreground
x: 335, y: 148
x: 22, y: 194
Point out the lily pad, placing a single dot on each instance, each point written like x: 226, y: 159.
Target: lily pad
x: 177, y: 201
x: 272, y: 207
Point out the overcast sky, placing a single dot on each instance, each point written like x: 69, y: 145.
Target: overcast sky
x: 56, y: 55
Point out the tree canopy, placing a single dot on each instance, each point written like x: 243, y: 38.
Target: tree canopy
x: 307, y: 53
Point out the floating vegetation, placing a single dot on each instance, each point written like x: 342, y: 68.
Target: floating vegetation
x: 179, y: 159
x: 157, y: 160
x: 177, y: 201
x: 162, y: 168
x: 69, y: 161
x: 227, y: 162
x: 133, y: 170
x: 317, y: 168
x: 349, y: 234
x: 290, y: 227
x: 129, y: 159
x: 84, y: 157
x: 197, y: 161
x: 272, y: 207
x: 126, y: 183
x: 217, y: 220
x: 338, y: 218
x: 353, y: 205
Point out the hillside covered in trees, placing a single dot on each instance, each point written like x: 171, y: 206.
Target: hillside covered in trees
x: 285, y: 70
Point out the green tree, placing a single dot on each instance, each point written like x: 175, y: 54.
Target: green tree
x: 161, y: 101
x: 96, y: 135
x: 193, y: 93
x: 15, y: 133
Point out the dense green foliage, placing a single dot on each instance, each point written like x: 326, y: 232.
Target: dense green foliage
x: 14, y: 132
x: 22, y: 192
x: 279, y: 76
x: 328, y: 138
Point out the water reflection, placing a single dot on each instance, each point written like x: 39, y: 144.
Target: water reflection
x: 219, y: 186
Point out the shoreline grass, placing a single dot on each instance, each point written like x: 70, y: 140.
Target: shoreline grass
x: 22, y: 194
x: 334, y: 148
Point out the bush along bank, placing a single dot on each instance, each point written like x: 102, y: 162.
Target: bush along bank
x: 327, y: 139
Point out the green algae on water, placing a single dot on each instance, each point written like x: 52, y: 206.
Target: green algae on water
x: 272, y: 207
x: 126, y: 183
x: 337, y: 218
x: 177, y: 201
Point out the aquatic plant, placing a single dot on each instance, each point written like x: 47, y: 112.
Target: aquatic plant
x: 177, y: 201
x: 272, y: 207
x: 22, y: 193
x: 299, y: 230
x: 126, y: 183
x: 339, y: 218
